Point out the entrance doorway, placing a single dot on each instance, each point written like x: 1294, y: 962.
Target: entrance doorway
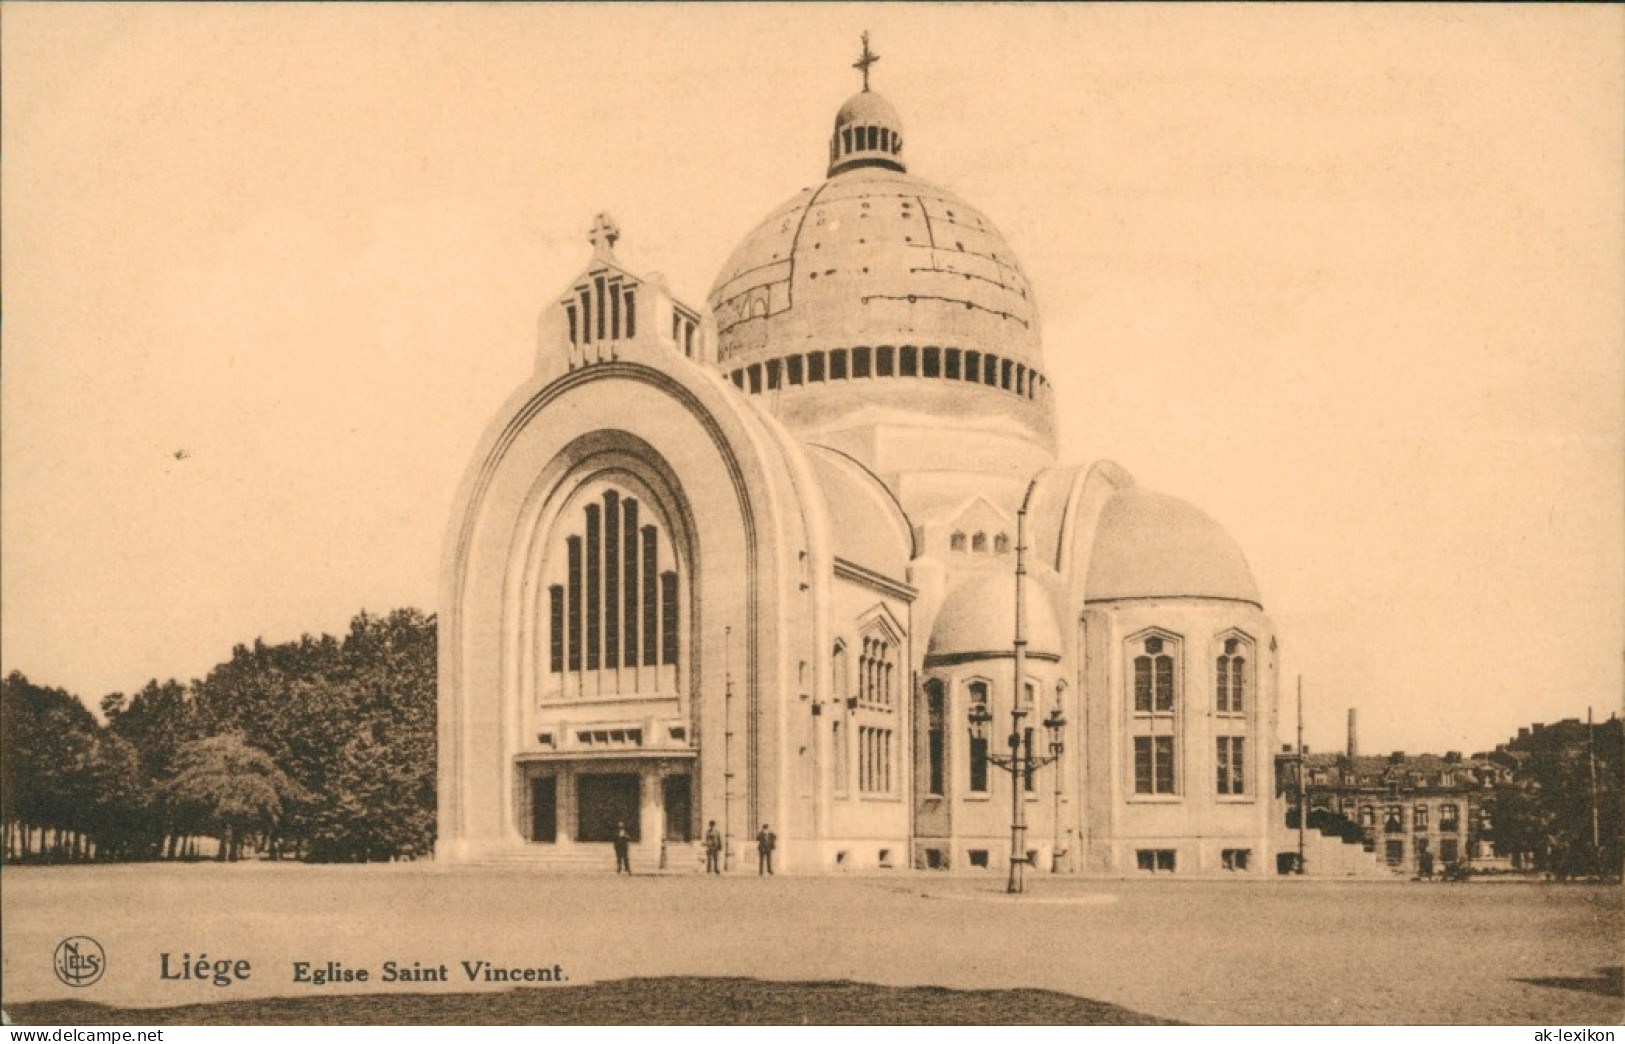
x: 604, y: 801
x: 544, y: 809
x: 679, y: 809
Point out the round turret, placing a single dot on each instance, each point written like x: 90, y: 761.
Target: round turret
x: 868, y: 133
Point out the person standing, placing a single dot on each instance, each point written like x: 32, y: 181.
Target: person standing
x: 766, y: 841
x: 623, y: 849
x: 713, y: 849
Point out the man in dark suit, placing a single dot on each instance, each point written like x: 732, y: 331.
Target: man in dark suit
x: 713, y: 849
x: 766, y: 841
x: 623, y: 849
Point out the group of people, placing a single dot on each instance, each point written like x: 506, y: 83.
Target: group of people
x: 766, y: 842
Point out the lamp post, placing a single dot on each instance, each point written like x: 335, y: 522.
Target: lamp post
x: 1056, y: 748
x: 1020, y: 763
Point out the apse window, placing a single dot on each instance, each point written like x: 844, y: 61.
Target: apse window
x: 1154, y: 679
x: 1232, y: 759
x: 977, y: 692
x: 1154, y: 765
x: 1155, y: 860
x: 1230, y: 679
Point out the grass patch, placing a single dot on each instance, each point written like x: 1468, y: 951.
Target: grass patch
x: 627, y: 1002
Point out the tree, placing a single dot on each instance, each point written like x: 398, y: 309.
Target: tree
x: 1546, y: 816
x: 231, y: 790
x: 156, y: 723
x: 50, y: 744
x: 322, y: 746
x: 380, y: 798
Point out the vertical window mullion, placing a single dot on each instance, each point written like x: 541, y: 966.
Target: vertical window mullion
x: 612, y: 579
x: 668, y: 618
x: 651, y: 595
x: 573, y: 551
x: 555, y: 628
x: 629, y: 523
x: 594, y: 591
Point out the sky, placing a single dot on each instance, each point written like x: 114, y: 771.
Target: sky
x: 1347, y: 277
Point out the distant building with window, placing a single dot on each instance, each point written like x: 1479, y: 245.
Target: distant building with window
x: 1413, y: 812
x: 753, y: 563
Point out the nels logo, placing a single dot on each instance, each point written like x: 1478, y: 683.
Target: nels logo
x: 80, y: 960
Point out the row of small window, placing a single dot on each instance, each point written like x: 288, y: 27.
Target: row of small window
x: 1393, y: 818
x: 610, y: 737
x: 865, y: 139
x: 1156, y: 765
x: 1166, y: 860
x: 600, y: 309
x: 1394, y: 852
x: 877, y: 674
x: 839, y: 364
x: 1155, y: 683
x: 606, y: 310
x: 978, y: 543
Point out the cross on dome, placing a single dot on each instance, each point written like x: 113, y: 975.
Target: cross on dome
x: 603, y: 234
x: 866, y: 59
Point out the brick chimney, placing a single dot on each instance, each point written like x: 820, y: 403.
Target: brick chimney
x: 1354, y: 741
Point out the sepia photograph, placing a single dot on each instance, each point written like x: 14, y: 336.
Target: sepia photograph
x: 812, y: 514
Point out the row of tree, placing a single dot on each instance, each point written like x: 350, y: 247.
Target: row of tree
x: 322, y: 749
x: 1564, y: 809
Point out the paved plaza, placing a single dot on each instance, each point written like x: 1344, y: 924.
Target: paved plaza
x: 1266, y: 951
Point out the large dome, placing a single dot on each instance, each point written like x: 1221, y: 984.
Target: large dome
x: 883, y: 315
x: 875, y: 257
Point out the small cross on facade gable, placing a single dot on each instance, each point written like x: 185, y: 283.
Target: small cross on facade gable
x: 603, y: 234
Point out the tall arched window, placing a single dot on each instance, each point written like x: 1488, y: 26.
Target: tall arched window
x: 612, y: 599
x: 977, y: 693
x: 936, y: 737
x: 956, y: 542
x: 1153, y: 679
x: 1230, y: 679
x: 1155, y: 725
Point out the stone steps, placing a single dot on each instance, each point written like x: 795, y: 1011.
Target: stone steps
x: 590, y: 858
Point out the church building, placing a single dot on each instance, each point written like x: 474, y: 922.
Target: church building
x: 756, y: 562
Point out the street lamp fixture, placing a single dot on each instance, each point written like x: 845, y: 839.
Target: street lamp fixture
x: 1021, y: 763
x: 1057, y: 746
